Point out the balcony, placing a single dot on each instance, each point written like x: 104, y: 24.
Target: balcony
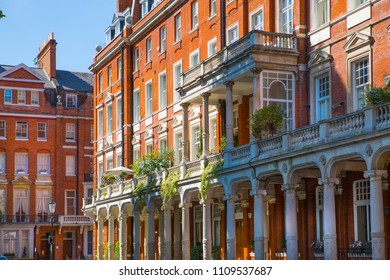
x: 257, y: 49
x: 74, y: 220
x: 27, y: 219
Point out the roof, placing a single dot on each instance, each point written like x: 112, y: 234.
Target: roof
x: 75, y: 80
x: 65, y: 79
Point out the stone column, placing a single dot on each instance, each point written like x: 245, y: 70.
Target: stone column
x: 176, y: 234
x: 229, y: 115
x: 150, y: 234
x: 230, y: 227
x: 376, y: 214
x: 185, y: 232
x: 258, y: 224
x: 207, y: 237
x: 330, y: 236
x: 137, y: 235
x: 205, y: 123
x: 111, y: 241
x: 167, y: 233
x: 100, y: 236
x: 122, y: 236
x: 185, y: 138
x: 160, y: 235
x: 256, y: 88
x: 291, y: 223
x: 265, y: 227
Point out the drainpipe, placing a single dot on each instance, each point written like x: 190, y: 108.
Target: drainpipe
x: 223, y: 24
x: 122, y: 106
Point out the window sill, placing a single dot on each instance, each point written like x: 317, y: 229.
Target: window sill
x: 70, y: 140
x: 177, y: 42
x: 42, y: 140
x: 3, y: 138
x: 195, y: 29
x: 162, y: 53
x: 212, y: 17
x: 21, y: 139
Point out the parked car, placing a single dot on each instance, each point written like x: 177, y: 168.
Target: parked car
x: 3, y: 258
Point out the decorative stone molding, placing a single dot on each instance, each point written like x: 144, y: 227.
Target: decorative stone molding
x: 163, y: 127
x: 136, y: 139
x: 177, y: 120
x: 148, y: 134
x: 284, y: 168
x: 356, y: 41
x: 368, y: 150
x: 319, y: 57
x: 323, y: 160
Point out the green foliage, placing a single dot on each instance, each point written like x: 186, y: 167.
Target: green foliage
x: 1, y: 14
x: 196, y: 252
x: 208, y: 173
x: 169, y: 186
x: 266, y: 121
x: 222, y: 146
x: 377, y: 95
x: 216, y: 252
x: 153, y: 163
x: 117, y: 251
x: 200, y: 148
x: 109, y: 179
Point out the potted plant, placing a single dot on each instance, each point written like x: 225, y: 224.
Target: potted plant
x: 355, y: 247
x: 377, y: 95
x: 318, y: 247
x: 266, y: 121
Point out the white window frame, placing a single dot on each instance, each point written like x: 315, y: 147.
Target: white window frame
x: 101, y: 83
x: 21, y: 163
x: 100, y: 123
x: 2, y: 163
x: 68, y: 197
x: 21, y: 194
x: 136, y: 153
x: 148, y: 98
x: 109, y: 70
x: 136, y: 59
x: 119, y: 67
x: 8, y: 96
x: 213, y: 134
x: 3, y: 129
x: 162, y: 144
x: 43, y: 163
x: 144, y: 8
x: 177, y: 27
x: 212, y: 47
x: 253, y: 15
x: 70, y: 132
x: 320, y: 100
x: 352, y: 4
x: 162, y: 93
x: 148, y: 50
x: 109, y: 118
x: 41, y: 128
x: 231, y: 30
x: 177, y: 79
x: 109, y: 163
x: 316, y: 19
x: 358, y: 201
x: 212, y: 8
x: 149, y: 147
x: 196, y: 136
x: 118, y: 159
x: 21, y: 97
x: 357, y: 102
x: 178, y: 147
x: 196, y: 53
x: 286, y: 26
x: 70, y: 165
x: 22, y: 130
x: 118, y: 115
x: 71, y: 101
x: 163, y: 39
x: 136, y: 106
x: 35, y: 98
x: 216, y: 220
x: 194, y: 15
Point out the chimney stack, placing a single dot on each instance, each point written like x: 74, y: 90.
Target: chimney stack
x: 122, y: 5
x: 47, y: 56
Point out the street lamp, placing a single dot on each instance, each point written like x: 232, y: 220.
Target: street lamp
x: 52, y: 209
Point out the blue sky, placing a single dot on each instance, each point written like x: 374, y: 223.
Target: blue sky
x: 78, y: 26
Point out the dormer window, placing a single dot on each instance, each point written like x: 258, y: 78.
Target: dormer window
x: 71, y: 101
x: 144, y: 8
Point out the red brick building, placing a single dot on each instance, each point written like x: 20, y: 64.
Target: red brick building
x: 46, y: 122
x: 188, y: 75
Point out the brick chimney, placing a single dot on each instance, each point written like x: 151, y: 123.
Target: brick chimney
x: 47, y: 56
x: 122, y: 5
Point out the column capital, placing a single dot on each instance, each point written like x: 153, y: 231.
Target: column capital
x: 289, y: 187
x: 205, y: 94
x: 256, y: 70
x: 229, y: 83
x: 185, y: 205
x: 328, y: 182
x: 206, y: 202
x: 122, y: 216
x: 231, y: 198
x: 258, y: 193
x: 184, y: 105
x: 375, y: 174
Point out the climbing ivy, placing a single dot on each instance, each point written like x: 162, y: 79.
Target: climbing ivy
x: 169, y: 186
x: 208, y: 173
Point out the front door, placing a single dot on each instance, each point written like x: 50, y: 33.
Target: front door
x: 69, y: 252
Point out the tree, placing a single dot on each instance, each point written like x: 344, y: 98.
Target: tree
x: 1, y: 14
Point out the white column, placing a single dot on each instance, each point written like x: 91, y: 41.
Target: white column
x: 230, y: 227
x: 100, y: 238
x: 185, y: 144
x: 137, y: 235
x: 160, y: 235
x: 207, y: 245
x: 144, y: 218
x: 258, y: 224
x: 176, y: 234
x: 376, y: 211
x: 151, y: 234
x: 291, y: 221
x: 256, y: 88
x: 111, y: 242
x: 266, y: 227
x: 229, y: 115
x: 167, y: 233
x: 185, y: 242
x: 329, y: 221
x: 205, y: 123
x: 122, y: 236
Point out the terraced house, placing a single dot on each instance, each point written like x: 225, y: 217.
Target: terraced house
x: 45, y: 155
x: 188, y: 75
